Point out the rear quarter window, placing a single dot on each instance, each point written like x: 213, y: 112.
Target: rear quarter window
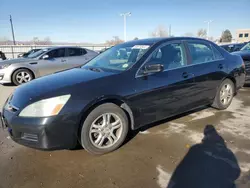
x: 217, y: 53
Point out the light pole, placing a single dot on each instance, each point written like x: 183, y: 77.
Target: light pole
x: 208, y: 26
x: 124, y: 22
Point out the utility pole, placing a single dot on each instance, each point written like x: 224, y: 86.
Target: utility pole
x: 208, y: 26
x: 125, y: 24
x: 169, y: 31
x: 12, y: 29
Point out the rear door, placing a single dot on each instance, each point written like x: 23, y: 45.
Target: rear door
x: 76, y: 57
x: 209, y: 68
x: 53, y: 63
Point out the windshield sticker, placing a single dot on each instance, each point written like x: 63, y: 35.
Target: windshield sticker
x: 141, y: 47
x: 125, y: 65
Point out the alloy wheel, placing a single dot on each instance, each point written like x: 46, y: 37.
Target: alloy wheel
x: 105, y: 130
x: 23, y: 77
x: 226, y: 94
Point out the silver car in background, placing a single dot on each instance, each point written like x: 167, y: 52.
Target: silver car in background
x: 43, y: 62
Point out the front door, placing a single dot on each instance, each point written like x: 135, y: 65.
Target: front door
x: 54, y: 62
x: 165, y: 93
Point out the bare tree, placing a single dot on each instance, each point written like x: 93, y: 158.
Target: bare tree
x: 35, y: 40
x: 136, y: 38
x: 202, y: 33
x: 189, y: 34
x: 160, y: 31
x: 116, y: 40
x: 47, y: 41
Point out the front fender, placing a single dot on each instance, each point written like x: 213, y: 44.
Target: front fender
x: 15, y: 67
x: 118, y: 100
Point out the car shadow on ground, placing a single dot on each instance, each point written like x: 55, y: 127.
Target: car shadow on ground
x: 8, y: 85
x: 209, y: 164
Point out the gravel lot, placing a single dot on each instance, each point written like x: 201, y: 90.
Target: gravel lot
x: 173, y: 148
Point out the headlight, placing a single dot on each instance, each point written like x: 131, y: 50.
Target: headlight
x: 4, y: 66
x: 46, y: 107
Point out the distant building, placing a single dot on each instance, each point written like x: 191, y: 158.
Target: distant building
x: 243, y: 35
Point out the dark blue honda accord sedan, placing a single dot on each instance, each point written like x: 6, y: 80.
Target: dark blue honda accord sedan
x: 125, y: 87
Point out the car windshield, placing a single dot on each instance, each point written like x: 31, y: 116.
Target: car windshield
x: 120, y: 57
x: 38, y: 53
x: 246, y: 47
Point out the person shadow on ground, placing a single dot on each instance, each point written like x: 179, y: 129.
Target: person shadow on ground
x: 209, y: 164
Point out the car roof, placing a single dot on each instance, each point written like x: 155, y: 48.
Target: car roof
x: 57, y: 47
x: 151, y: 41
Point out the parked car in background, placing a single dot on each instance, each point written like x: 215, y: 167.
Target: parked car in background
x: 28, y: 53
x: 2, y: 56
x: 245, y: 54
x: 43, y: 62
x: 98, y: 103
x: 233, y: 47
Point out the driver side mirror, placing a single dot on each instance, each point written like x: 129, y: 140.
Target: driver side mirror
x: 45, y: 56
x: 153, y: 68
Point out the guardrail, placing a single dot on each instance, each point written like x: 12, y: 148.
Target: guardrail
x: 11, y: 51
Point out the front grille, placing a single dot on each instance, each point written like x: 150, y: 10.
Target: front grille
x: 30, y: 137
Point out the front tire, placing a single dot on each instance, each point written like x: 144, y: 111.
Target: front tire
x: 105, y: 129
x: 224, y: 95
x: 22, y: 76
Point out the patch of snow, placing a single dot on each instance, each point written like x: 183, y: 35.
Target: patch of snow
x: 245, y: 167
x: 239, y: 124
x: 163, y: 177
x: 144, y: 132
x: 202, y: 115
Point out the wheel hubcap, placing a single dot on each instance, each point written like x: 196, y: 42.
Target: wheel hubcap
x: 226, y: 94
x: 23, y: 77
x: 105, y: 130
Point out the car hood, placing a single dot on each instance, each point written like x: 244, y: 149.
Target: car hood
x: 18, y: 60
x: 243, y: 53
x: 54, y: 84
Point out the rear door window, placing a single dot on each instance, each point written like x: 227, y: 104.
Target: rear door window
x: 74, y: 52
x: 200, y: 52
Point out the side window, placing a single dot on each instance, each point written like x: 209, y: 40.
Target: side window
x: 74, y: 51
x: 217, y: 54
x: 56, y: 53
x: 83, y: 51
x: 171, y: 56
x: 200, y: 52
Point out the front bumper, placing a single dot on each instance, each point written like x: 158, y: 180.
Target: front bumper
x: 5, y: 76
x: 49, y: 133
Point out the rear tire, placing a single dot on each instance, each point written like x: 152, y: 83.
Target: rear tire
x: 224, y: 95
x: 105, y: 129
x: 22, y: 76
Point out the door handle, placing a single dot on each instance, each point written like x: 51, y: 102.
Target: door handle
x: 220, y: 66
x: 63, y: 60
x: 184, y: 74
